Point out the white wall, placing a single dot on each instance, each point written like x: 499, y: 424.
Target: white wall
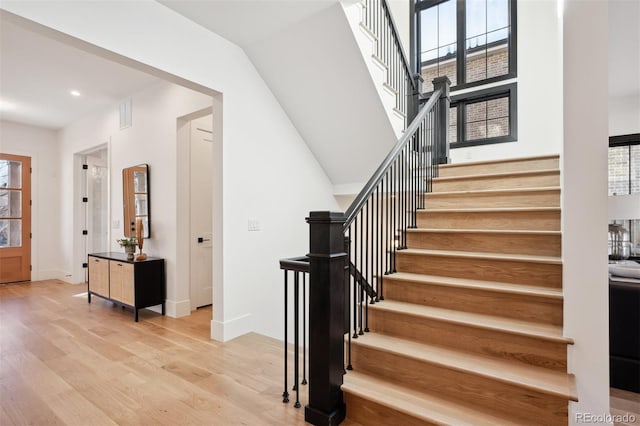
x: 267, y: 173
x: 539, y: 86
x: 152, y: 140
x: 400, y: 10
x: 42, y: 146
x: 584, y: 197
x: 624, y: 115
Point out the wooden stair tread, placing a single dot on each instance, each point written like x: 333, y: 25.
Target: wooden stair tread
x: 488, y: 209
x: 483, y: 231
x: 540, y: 331
x: 493, y: 286
x: 494, y: 191
x: 426, y: 407
x: 479, y: 255
x: 504, y: 160
x: 497, y: 175
x: 533, y: 378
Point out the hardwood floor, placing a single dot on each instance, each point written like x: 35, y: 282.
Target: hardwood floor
x: 63, y: 361
x: 625, y: 403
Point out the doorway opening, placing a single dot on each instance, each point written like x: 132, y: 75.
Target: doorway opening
x: 93, y: 181
x: 195, y: 147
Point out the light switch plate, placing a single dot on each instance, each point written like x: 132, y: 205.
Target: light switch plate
x: 253, y: 225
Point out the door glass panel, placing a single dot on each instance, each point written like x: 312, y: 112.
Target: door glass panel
x: 10, y: 233
x: 10, y: 203
x: 10, y: 174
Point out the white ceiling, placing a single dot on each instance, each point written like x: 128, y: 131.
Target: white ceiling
x: 247, y: 21
x: 37, y: 74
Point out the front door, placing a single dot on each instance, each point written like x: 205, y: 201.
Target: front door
x: 15, y: 218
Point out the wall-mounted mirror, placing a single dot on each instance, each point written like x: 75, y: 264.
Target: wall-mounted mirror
x: 135, y: 191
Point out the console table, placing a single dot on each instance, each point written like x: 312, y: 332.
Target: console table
x: 137, y: 284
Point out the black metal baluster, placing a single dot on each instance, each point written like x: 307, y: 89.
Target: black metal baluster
x: 355, y: 284
x: 360, y: 269
x: 348, y: 301
x: 368, y: 278
x: 394, y: 224
x: 285, y: 394
x: 296, y: 338
x: 304, y: 328
x: 380, y: 237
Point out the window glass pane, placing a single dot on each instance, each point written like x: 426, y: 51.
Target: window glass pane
x: 453, y: 124
x: 10, y: 233
x: 10, y: 203
x: 487, y: 53
x: 10, y: 174
x: 634, y: 156
x: 618, y: 170
x: 498, y: 108
x: 447, y: 23
x: 476, y: 130
x: 438, y: 46
x: 487, y: 119
x: 497, y: 14
x: 476, y: 19
x: 498, y: 127
x: 429, y: 30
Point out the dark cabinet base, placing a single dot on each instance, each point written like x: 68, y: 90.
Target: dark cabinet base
x: 148, y: 282
x: 624, y: 335
x: 117, y: 302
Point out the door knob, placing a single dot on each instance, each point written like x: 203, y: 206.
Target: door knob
x: 202, y: 240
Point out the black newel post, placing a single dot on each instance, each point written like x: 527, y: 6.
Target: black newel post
x: 442, y: 119
x: 326, y: 318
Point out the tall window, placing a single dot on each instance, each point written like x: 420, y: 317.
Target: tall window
x: 473, y: 42
x: 624, y: 165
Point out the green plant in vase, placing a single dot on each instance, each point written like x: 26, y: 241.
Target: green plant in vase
x: 129, y: 244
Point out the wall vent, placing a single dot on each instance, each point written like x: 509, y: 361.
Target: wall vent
x: 125, y: 114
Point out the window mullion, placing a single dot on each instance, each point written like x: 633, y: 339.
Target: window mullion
x: 461, y: 110
x: 461, y: 34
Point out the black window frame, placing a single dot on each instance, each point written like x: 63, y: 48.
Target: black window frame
x: 475, y: 92
x: 462, y: 100
x: 461, y: 51
x: 629, y: 140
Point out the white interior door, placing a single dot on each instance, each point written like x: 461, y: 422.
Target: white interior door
x: 201, y: 220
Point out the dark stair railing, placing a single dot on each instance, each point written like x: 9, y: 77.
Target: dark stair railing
x: 351, y: 253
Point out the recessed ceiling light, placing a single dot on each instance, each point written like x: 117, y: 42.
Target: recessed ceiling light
x: 75, y: 93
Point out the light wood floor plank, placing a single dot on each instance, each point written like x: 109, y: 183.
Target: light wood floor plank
x: 64, y: 361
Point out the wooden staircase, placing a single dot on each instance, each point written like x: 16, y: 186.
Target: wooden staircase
x: 470, y: 331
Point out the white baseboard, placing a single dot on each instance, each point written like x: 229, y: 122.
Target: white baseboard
x: 177, y: 309
x: 223, y: 331
x: 48, y: 274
